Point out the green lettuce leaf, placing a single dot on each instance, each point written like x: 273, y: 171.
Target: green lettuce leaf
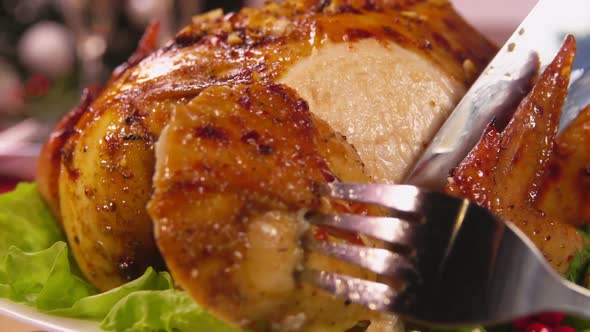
x: 99, y: 306
x: 38, y: 279
x: 167, y: 310
x: 26, y: 222
x: 37, y: 270
x: 578, y: 272
x: 580, y: 263
x: 578, y: 267
x: 579, y: 324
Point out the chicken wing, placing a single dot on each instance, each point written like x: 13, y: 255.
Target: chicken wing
x: 565, y: 191
x: 505, y: 170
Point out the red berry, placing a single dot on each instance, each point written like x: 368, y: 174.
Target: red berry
x: 37, y: 85
x: 551, y: 319
x: 537, y: 327
x: 564, y: 329
x: 321, y: 234
x: 521, y: 324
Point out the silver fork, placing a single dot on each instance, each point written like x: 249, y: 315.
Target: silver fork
x: 458, y: 263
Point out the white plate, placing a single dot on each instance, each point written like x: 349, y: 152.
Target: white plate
x: 46, y: 322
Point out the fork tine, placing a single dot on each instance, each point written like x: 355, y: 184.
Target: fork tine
x: 380, y: 261
x: 374, y: 295
x: 402, y: 198
x: 389, y: 229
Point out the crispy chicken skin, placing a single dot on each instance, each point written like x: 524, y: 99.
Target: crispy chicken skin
x: 97, y: 168
x: 507, y: 170
x: 565, y: 191
x: 235, y: 167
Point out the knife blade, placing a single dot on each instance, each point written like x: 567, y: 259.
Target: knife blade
x: 505, y: 81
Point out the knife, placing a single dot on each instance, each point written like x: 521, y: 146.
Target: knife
x: 505, y: 81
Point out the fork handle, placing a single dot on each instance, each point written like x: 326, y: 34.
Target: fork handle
x: 538, y: 288
x: 570, y: 298
x: 522, y: 283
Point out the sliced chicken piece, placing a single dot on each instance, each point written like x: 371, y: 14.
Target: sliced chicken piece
x: 504, y: 171
x: 235, y: 168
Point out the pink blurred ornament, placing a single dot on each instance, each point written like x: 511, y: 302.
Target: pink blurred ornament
x: 47, y: 48
x: 11, y: 89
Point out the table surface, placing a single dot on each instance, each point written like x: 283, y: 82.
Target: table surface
x: 10, y: 325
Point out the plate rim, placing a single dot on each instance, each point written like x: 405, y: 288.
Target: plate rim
x: 32, y: 316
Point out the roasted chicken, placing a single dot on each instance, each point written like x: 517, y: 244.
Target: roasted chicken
x: 250, y: 111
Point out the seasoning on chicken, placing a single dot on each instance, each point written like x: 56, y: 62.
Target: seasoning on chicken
x: 235, y: 168
x: 506, y: 170
x: 565, y: 190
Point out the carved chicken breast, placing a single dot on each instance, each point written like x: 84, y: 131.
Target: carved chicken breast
x: 250, y: 112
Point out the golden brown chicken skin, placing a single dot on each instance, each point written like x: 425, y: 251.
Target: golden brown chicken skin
x: 506, y: 170
x: 565, y: 191
x: 235, y: 169
x: 105, y: 163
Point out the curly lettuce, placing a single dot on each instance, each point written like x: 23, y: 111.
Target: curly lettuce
x: 37, y: 270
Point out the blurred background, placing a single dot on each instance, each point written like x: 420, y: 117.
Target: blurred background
x: 51, y: 49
